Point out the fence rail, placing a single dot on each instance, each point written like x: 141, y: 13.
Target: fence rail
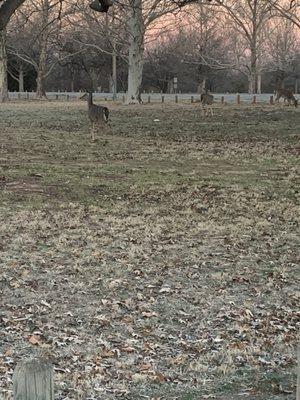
x: 224, y: 98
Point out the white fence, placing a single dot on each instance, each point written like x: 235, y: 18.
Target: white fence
x: 148, y: 97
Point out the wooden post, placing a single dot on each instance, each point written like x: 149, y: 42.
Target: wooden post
x: 19, y: 96
x: 68, y: 97
x: 162, y: 99
x: 254, y: 100
x: 33, y: 380
x: 176, y: 98
x: 222, y: 100
x: 192, y: 99
x: 56, y: 96
x: 238, y: 99
x: 149, y: 99
x: 123, y: 99
x: 271, y: 100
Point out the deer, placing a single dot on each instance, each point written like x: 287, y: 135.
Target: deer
x: 207, y: 100
x: 98, y: 115
x: 287, y: 94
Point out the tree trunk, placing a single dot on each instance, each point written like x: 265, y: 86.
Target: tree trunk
x: 21, y: 79
x: 136, y: 31
x: 43, y: 44
x: 202, y: 86
x: 3, y: 67
x: 41, y: 75
x: 259, y: 83
x: 253, y: 64
x: 252, y: 75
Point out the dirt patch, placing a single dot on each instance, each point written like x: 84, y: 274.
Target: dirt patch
x: 29, y: 185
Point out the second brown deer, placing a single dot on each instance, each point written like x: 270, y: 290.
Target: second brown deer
x: 207, y: 102
x: 287, y: 95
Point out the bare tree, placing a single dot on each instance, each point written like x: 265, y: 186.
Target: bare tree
x: 208, y: 43
x: 142, y: 15
x: 247, y: 19
x: 282, y: 49
x: 7, y: 9
x: 288, y: 9
x: 37, y: 38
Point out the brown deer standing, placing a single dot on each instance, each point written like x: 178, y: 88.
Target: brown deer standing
x: 98, y: 115
x: 207, y: 102
x: 286, y: 94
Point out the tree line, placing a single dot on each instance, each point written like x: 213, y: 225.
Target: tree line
x: 159, y: 45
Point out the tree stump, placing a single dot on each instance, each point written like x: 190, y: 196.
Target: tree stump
x: 192, y: 99
x: 176, y: 98
x: 254, y: 99
x: 238, y: 99
x: 33, y: 380
x: 271, y: 100
x: 222, y: 100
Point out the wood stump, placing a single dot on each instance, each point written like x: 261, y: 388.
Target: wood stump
x: 33, y: 380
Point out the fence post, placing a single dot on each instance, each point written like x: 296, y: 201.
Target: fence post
x: 176, y: 98
x: 271, y: 100
x: 123, y: 99
x: 149, y: 99
x: 192, y: 99
x: 222, y: 100
x: 238, y: 99
x: 162, y: 99
x: 33, y: 380
x: 254, y: 100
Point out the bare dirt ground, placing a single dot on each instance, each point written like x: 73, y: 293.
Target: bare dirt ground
x: 157, y: 263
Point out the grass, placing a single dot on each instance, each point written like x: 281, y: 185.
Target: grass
x: 157, y: 262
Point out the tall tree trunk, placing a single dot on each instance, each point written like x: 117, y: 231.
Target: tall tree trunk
x: 43, y: 44
x: 41, y: 75
x: 21, y: 79
x: 253, y: 71
x: 136, y: 31
x: 3, y: 67
x: 259, y: 83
